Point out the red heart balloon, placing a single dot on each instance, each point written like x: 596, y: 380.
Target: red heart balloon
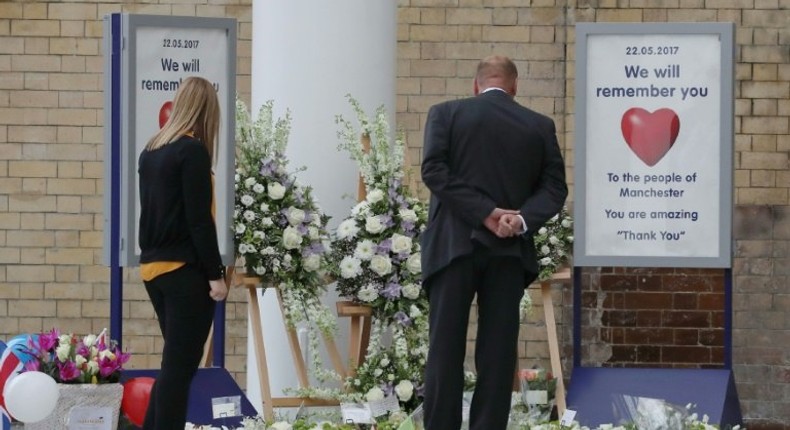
x: 136, y: 394
x: 650, y: 135
x: 164, y: 113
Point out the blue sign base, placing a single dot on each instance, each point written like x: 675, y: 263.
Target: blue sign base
x: 594, y: 392
x: 209, y: 383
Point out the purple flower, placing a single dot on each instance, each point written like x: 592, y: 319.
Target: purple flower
x: 33, y: 365
x: 387, y: 220
x: 388, y: 389
x: 408, y: 226
x: 48, y: 341
x: 68, y: 371
x: 392, y: 291
x: 302, y: 229
x: 83, y: 350
x: 402, y: 319
x: 384, y: 247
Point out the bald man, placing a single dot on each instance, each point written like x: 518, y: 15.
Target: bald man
x: 496, y: 175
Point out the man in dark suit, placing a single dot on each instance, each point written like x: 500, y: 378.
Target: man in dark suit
x: 496, y: 175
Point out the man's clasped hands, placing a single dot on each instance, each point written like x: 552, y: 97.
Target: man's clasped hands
x: 504, y: 223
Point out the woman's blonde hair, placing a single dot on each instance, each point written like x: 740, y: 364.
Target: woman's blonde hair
x: 196, y: 111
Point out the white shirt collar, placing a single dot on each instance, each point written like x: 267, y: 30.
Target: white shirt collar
x: 494, y: 89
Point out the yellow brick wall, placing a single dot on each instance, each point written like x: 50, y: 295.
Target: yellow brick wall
x: 51, y: 134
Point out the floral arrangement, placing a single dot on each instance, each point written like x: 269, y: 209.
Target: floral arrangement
x: 554, y: 243
x: 375, y: 259
x: 70, y: 359
x: 538, y: 391
x: 279, y: 230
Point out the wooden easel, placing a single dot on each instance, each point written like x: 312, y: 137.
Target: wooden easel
x: 551, y: 329
x: 252, y: 284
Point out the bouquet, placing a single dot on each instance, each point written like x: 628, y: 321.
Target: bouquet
x: 538, y: 391
x: 375, y: 259
x: 554, y: 243
x: 70, y: 359
x: 280, y: 231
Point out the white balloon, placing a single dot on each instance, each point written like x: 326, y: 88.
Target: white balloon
x: 31, y: 396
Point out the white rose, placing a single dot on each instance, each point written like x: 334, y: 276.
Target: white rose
x: 267, y: 222
x: 385, y: 361
x: 295, y: 216
x: 542, y: 231
x: 247, y: 200
x: 375, y: 196
x: 258, y: 188
x: 292, y: 239
x: 374, y: 394
x: 545, y: 261
x: 281, y: 425
x: 404, y: 390
x: 408, y: 215
x: 311, y: 263
x: 350, y: 267
x: 347, y: 229
x: 249, y: 215
x: 414, y: 312
x: 411, y: 291
x: 373, y: 224
x: 566, y: 223
x: 377, y: 372
x: 360, y: 208
x: 249, y: 182
x: 368, y: 293
x: 381, y: 265
x: 260, y: 270
x: 545, y: 250
x: 312, y: 233
x: 276, y: 191
x: 400, y: 243
x: 365, y: 250
x: 240, y: 228
x: 414, y: 263
x: 553, y: 240
x: 264, y: 207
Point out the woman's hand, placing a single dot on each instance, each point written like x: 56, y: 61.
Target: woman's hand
x: 219, y: 290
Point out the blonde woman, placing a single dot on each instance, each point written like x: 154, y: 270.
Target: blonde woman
x: 180, y: 261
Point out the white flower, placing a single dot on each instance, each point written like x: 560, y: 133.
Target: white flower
x: 411, y: 291
x: 268, y: 251
x: 350, y: 267
x: 361, y: 208
x: 377, y: 372
x: 368, y: 293
x: 347, y: 229
x: 267, y: 222
x: 400, y: 243
x: 569, y: 239
x: 385, y: 361
x: 374, y: 225
x: 249, y: 215
x: 414, y: 312
x: 553, y: 240
x: 247, y: 200
x: 542, y: 231
x: 281, y: 425
x: 240, y: 228
x: 80, y: 360
x: 365, y: 249
x: 258, y: 235
x: 62, y: 351
x: 89, y: 340
x: 242, y: 248
x: 545, y: 261
x: 292, y: 239
x: 311, y: 263
x: 276, y: 191
x: 260, y: 270
x: 407, y: 215
x: 545, y: 250
x: 374, y: 394
x: 375, y: 196
x: 264, y: 207
x: 258, y: 188
x: 381, y: 265
x: 295, y: 216
x: 250, y: 182
x: 313, y: 233
x: 566, y: 223
x: 414, y: 263
x: 93, y: 367
x: 404, y: 390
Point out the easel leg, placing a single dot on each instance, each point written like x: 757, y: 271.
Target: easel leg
x: 296, y: 349
x: 260, y: 352
x: 554, y: 350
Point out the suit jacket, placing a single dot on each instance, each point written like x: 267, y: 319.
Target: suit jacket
x: 481, y: 153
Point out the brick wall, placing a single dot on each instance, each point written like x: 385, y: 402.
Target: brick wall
x: 51, y: 169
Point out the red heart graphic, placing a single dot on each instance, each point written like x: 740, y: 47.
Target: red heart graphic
x: 164, y: 113
x: 650, y: 135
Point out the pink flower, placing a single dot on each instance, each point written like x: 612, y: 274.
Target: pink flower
x: 68, y: 371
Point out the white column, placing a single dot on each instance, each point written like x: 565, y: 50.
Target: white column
x: 307, y: 55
